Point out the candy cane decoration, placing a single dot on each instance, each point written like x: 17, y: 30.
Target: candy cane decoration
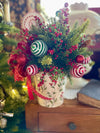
x: 32, y: 70
x: 87, y: 60
x: 78, y: 70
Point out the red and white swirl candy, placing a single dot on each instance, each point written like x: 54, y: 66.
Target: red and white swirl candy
x: 32, y: 70
x: 29, y: 20
x: 87, y: 60
x: 78, y: 70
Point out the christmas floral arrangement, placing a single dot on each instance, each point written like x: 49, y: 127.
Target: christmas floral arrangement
x: 50, y: 47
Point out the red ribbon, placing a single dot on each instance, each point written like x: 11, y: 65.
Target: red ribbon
x: 32, y: 90
x: 30, y: 94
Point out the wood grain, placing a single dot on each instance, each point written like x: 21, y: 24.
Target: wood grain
x: 59, y: 122
x: 55, y: 120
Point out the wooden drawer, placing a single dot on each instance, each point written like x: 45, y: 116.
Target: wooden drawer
x: 69, y: 123
x: 43, y: 132
x: 71, y: 117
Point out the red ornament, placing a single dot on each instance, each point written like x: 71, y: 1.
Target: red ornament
x: 80, y: 59
x: 78, y: 70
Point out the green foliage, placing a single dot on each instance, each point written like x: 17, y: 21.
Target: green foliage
x: 16, y: 124
x: 13, y: 103
x: 7, y: 28
x: 74, y: 37
x: 84, y: 51
x: 7, y: 42
x: 1, y: 46
x: 5, y: 79
x: 58, y: 38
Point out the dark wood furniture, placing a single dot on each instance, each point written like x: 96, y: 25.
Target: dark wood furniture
x: 71, y: 117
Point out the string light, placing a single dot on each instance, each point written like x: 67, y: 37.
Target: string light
x: 15, y: 94
x: 13, y: 91
x: 24, y: 87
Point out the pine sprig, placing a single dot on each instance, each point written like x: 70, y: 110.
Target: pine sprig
x: 55, y: 37
x: 75, y: 34
x: 84, y: 51
x: 7, y: 28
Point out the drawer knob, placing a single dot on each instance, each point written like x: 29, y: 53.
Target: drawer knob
x: 72, y: 126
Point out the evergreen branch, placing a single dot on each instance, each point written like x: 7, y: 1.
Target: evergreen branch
x: 75, y: 35
x: 3, y: 89
x: 7, y: 28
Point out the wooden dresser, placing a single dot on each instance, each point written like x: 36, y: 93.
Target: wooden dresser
x: 71, y: 117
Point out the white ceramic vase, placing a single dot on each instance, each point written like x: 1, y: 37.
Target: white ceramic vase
x: 71, y: 89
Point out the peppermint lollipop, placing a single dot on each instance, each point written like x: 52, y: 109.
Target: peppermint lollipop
x: 77, y: 71
x: 87, y: 60
x: 29, y: 20
x: 38, y: 48
x: 32, y: 70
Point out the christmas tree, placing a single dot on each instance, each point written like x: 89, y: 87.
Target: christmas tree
x: 7, y: 85
x: 13, y: 95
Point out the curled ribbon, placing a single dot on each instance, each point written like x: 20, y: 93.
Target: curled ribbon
x: 32, y: 90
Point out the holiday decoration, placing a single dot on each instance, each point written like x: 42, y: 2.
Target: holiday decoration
x: 80, y: 59
x: 87, y: 60
x: 78, y: 70
x: 3, y: 121
x: 52, y: 48
x: 63, y: 14
x: 76, y: 84
x: 32, y: 70
x: 50, y: 89
x: 29, y: 20
x: 22, y: 70
x: 38, y: 48
x: 46, y: 60
x: 32, y: 90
